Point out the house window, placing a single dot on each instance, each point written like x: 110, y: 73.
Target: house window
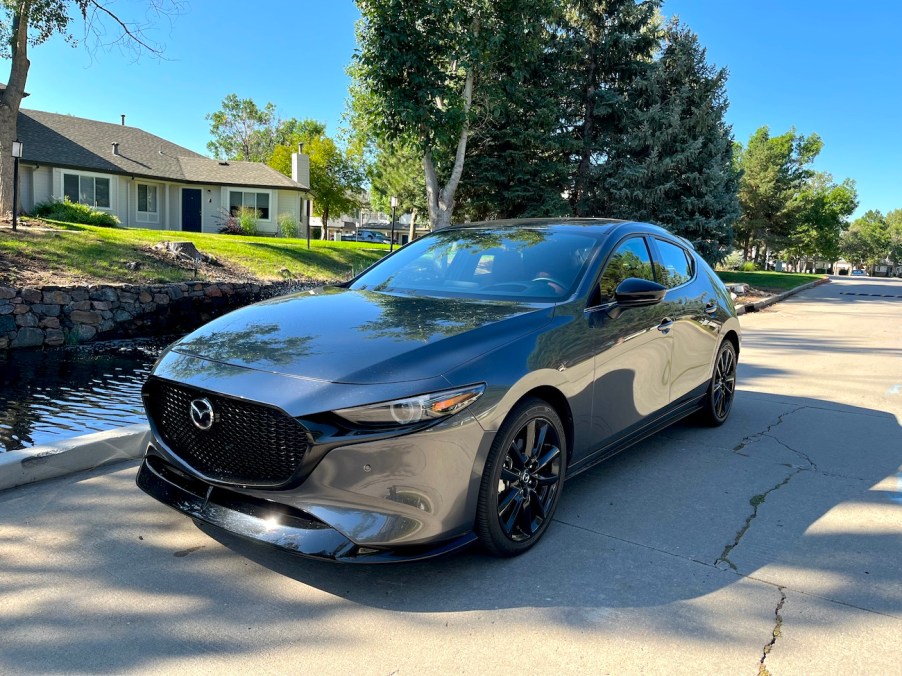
x: 252, y: 200
x: 147, y: 203
x: 91, y: 190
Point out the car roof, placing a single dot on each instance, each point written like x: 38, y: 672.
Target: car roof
x: 540, y: 222
x: 604, y: 226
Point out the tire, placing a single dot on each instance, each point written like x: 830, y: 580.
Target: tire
x: 523, y: 479
x: 722, y: 388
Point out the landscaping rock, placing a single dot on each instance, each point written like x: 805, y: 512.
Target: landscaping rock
x: 82, y: 317
x: 82, y: 332
x: 29, y: 337
x: 185, y: 250
x: 6, y: 309
x: 104, y: 293
x: 46, y: 310
x: 7, y: 324
x: 54, y: 337
x: 30, y: 295
x: 27, y: 319
x: 50, y: 323
x: 7, y: 293
x: 56, y: 297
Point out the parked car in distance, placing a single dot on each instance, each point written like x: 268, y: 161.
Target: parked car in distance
x: 442, y: 396
x: 858, y: 273
x: 367, y: 236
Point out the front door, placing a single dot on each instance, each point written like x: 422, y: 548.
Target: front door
x: 632, y: 366
x: 191, y: 209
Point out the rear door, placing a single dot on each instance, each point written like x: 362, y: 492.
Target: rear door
x: 691, y: 305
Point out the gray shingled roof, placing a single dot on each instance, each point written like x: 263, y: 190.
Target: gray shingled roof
x: 78, y: 143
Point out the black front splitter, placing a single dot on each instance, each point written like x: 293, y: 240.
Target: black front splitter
x: 268, y: 522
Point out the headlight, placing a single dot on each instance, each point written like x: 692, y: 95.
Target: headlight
x: 413, y: 409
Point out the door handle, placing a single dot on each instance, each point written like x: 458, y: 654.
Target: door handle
x: 665, y: 325
x: 711, y: 307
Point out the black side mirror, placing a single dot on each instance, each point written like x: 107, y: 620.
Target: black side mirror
x: 635, y: 292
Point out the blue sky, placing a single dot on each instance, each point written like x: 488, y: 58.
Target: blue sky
x: 821, y: 66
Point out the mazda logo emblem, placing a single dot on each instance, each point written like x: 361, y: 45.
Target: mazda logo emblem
x: 202, y: 414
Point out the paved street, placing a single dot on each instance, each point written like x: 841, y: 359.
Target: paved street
x: 777, y: 537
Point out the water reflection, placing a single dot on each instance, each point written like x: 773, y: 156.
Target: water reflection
x: 50, y: 395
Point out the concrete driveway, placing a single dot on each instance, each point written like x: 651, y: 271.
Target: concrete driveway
x: 774, y: 542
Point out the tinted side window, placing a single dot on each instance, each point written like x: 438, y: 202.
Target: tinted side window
x: 630, y: 259
x: 675, y: 267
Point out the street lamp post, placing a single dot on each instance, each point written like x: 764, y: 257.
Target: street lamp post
x: 394, y: 205
x: 17, y: 153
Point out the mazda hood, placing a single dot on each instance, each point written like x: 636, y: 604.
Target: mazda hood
x: 338, y: 335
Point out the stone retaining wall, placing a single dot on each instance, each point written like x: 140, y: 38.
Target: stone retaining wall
x: 52, y: 316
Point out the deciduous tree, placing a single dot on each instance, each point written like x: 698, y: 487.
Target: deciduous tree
x: 29, y: 23
x: 823, y: 209
x: 243, y: 131
x: 336, y: 180
x: 419, y: 65
x: 775, y: 169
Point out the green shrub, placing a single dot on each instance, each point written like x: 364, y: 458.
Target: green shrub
x: 73, y: 212
x: 748, y: 266
x: 247, y: 220
x: 288, y: 225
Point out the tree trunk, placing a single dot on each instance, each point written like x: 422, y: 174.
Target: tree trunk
x: 325, y: 219
x: 441, y: 201
x: 581, y: 180
x: 412, y: 233
x: 10, y: 101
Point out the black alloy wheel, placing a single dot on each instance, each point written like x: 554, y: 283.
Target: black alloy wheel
x: 523, y: 479
x: 722, y: 389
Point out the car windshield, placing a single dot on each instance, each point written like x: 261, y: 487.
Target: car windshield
x: 525, y: 264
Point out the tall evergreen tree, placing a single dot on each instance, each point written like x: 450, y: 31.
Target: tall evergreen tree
x: 607, y: 46
x: 517, y: 165
x: 673, y: 165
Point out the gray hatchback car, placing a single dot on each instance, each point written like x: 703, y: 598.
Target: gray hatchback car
x: 443, y: 395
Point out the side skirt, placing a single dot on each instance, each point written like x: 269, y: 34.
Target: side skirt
x: 642, y: 431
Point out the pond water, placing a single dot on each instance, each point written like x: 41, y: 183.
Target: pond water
x: 49, y: 395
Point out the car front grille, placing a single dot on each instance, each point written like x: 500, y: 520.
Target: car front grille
x: 248, y: 444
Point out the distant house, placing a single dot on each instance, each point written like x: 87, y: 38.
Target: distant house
x: 147, y: 181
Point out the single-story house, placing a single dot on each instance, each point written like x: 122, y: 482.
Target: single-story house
x: 147, y: 181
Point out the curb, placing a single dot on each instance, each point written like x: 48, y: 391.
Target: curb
x: 75, y: 454
x: 770, y: 300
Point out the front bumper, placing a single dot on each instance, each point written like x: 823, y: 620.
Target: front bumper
x: 260, y: 520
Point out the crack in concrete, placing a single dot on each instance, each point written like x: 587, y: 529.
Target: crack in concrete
x: 754, y: 437
x: 775, y: 634
x: 755, y: 501
x: 801, y: 454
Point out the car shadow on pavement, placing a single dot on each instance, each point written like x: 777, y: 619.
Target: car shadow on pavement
x: 789, y: 489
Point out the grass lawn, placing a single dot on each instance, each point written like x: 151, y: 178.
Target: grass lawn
x: 768, y: 281
x: 64, y: 253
